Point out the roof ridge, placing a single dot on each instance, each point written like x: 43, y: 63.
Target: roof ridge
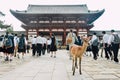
x: 59, y: 5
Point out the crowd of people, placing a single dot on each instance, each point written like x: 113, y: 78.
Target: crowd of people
x: 12, y: 45
x: 109, y: 42
x: 40, y: 44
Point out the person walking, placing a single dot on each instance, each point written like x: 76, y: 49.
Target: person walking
x: 8, y: 48
x: 39, y: 42
x: 22, y: 46
x: 34, y: 47
x: 48, y: 45
x: 107, y: 48
x: 16, y: 40
x: 94, y: 43
x: 53, y: 46
x: 114, y: 40
x: 11, y: 36
x: 44, y: 44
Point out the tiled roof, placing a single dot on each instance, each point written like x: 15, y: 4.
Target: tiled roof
x: 58, y: 12
x: 57, y: 9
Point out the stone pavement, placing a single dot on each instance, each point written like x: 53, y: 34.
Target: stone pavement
x: 59, y: 68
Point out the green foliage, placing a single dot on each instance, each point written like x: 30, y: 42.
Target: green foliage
x: 9, y: 29
x: 4, y: 26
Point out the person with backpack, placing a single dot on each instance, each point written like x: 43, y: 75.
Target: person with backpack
x: 11, y: 37
x: 114, y: 40
x: 22, y: 46
x: 94, y: 43
x: 8, y: 47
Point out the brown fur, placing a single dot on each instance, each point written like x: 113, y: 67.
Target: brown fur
x: 69, y: 40
x: 77, y: 52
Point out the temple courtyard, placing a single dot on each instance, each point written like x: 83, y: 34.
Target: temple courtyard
x: 59, y: 68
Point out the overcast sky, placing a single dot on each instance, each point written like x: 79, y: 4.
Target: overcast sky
x: 109, y: 20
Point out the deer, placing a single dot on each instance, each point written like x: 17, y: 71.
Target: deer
x: 77, y: 52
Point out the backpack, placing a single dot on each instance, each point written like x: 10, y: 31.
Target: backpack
x: 95, y: 42
x: 8, y: 43
x: 12, y: 39
x: 116, y: 39
x: 21, y: 43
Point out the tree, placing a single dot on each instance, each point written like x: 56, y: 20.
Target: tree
x: 8, y: 28
x: 4, y: 26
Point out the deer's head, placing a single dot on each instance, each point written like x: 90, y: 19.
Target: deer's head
x: 86, y: 40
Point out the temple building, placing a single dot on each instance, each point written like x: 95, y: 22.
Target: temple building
x: 57, y: 19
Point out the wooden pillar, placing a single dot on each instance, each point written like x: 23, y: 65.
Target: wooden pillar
x: 87, y: 31
x: 77, y: 28
x: 64, y: 37
x: 37, y: 27
x: 50, y: 29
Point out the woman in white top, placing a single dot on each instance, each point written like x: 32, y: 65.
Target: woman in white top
x: 39, y: 43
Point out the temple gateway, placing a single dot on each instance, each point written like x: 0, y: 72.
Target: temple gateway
x: 57, y: 19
